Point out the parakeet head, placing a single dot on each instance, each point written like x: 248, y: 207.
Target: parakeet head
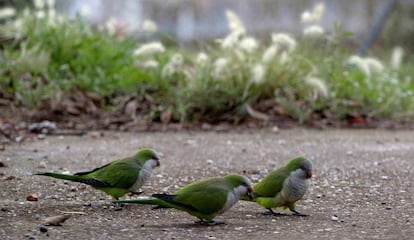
x: 242, y: 185
x: 147, y: 154
x: 301, y: 166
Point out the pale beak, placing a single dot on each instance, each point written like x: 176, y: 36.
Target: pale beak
x: 250, y: 193
x: 309, y: 174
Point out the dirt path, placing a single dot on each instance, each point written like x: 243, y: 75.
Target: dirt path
x: 362, y: 186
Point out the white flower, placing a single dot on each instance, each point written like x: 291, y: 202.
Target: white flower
x: 235, y: 24
x: 176, y: 60
x: 18, y: 24
x: 359, y: 63
x: 167, y: 71
x: 218, y: 67
x: 318, y: 84
x: 85, y: 10
x: 269, y: 54
x: 230, y: 40
x: 374, y: 64
x: 149, y: 26
x: 284, y: 40
x: 306, y: 17
x: 7, y: 12
x: 51, y: 17
x: 257, y: 73
x: 284, y: 57
x: 51, y: 3
x: 110, y: 25
x: 149, y: 49
x: 396, y: 57
x: 40, y: 14
x: 201, y: 58
x: 150, y: 64
x: 39, y: 4
x: 315, y: 15
x: 313, y: 31
x: 248, y: 44
x: 318, y: 11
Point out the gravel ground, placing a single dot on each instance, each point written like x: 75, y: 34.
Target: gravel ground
x: 362, y: 186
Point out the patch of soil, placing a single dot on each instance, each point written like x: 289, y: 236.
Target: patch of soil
x: 362, y: 185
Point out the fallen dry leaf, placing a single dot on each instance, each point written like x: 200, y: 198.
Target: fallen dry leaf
x: 166, y: 116
x: 56, y: 220
x: 80, y: 213
x: 42, y: 164
x: 32, y: 197
x: 95, y: 134
x: 9, y: 178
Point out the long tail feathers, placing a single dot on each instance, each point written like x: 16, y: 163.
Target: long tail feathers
x: 75, y: 178
x: 143, y: 200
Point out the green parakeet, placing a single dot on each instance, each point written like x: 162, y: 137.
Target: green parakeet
x: 118, y: 177
x: 284, y: 186
x: 204, y: 199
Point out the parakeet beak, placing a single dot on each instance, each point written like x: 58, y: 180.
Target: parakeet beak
x: 309, y: 174
x: 250, y: 193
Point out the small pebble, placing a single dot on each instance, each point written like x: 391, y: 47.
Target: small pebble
x: 29, y: 236
x: 275, y: 129
x: 32, y: 197
x: 19, y: 139
x: 42, y: 164
x: 9, y: 178
x: 41, y: 136
x: 334, y: 218
x: 95, y: 134
x: 42, y: 229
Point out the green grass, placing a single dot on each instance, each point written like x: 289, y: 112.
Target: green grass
x: 47, y: 62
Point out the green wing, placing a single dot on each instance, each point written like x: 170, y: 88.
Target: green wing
x: 121, y: 173
x: 272, y: 184
x: 206, y: 196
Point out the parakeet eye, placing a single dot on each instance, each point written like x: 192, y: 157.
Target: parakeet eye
x: 246, y: 184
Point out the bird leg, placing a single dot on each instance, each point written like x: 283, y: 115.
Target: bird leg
x: 273, y: 213
x: 209, y: 223
x: 118, y: 206
x: 135, y: 193
x: 298, y: 214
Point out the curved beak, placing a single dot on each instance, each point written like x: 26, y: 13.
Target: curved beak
x: 309, y: 174
x: 250, y: 193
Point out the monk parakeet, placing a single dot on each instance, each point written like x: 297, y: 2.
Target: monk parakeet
x: 118, y: 177
x: 284, y: 186
x: 203, y: 199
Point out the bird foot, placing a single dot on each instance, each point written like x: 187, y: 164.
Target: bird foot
x: 298, y: 214
x: 211, y: 223
x: 117, y: 206
x: 272, y: 213
x: 135, y: 193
